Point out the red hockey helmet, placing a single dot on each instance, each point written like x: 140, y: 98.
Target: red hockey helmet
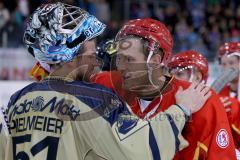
x: 229, y: 48
x: 155, y: 32
x: 190, y: 59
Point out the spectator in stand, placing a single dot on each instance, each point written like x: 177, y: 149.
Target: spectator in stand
x: 103, y: 11
x: 210, y: 22
x: 4, y: 19
x: 4, y: 15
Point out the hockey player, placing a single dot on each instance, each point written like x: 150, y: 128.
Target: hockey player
x: 229, y: 58
x: 189, y: 66
x: 143, y: 44
x: 192, y: 66
x: 61, y: 117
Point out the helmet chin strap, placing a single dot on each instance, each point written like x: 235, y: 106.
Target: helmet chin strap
x: 150, y: 73
x: 150, y: 69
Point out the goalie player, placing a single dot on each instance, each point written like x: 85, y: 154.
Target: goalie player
x: 63, y: 117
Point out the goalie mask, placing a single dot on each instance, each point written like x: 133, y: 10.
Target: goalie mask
x: 55, y: 32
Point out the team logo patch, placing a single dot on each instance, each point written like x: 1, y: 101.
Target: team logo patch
x: 222, y: 138
x: 127, y: 125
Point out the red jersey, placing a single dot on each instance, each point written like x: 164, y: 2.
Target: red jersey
x: 233, y: 114
x: 207, y: 132
x: 226, y: 92
x: 234, y: 120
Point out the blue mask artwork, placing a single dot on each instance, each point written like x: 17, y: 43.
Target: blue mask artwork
x: 55, y: 32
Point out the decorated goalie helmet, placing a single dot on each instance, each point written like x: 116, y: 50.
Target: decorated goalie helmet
x: 55, y: 32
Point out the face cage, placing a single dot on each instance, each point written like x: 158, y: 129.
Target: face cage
x: 72, y: 17
x: 66, y: 20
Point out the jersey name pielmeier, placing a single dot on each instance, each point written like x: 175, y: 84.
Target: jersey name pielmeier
x: 40, y: 123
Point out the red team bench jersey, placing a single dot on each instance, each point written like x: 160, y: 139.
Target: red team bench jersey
x: 207, y: 132
x: 60, y: 120
x: 226, y: 92
x: 234, y: 120
x: 233, y: 115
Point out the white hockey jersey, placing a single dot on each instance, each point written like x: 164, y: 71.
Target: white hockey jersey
x: 58, y: 120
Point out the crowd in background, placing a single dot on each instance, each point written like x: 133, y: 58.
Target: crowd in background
x: 201, y: 25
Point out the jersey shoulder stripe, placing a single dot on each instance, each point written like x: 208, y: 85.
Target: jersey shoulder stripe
x: 53, y: 85
x: 153, y: 145
x: 98, y: 98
